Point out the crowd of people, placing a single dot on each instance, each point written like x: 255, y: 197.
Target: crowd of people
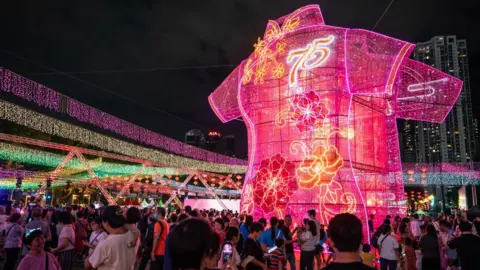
x: 446, y: 242
x: 129, y: 238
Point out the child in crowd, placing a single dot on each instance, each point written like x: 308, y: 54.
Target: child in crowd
x: 367, y: 257
x: 278, y: 258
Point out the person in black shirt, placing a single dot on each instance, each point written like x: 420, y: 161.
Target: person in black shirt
x: 289, y: 252
x: 345, y: 233
x: 253, y: 249
x: 370, y: 223
x: 430, y: 247
x: 467, y: 245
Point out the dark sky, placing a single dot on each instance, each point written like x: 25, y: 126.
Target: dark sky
x: 149, y: 34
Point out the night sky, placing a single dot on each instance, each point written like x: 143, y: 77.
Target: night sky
x: 144, y: 50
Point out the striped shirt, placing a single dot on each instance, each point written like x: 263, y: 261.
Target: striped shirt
x: 277, y: 256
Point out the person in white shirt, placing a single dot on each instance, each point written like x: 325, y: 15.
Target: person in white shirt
x: 389, y: 252
x: 415, y: 227
x: 116, y: 251
x: 307, y: 238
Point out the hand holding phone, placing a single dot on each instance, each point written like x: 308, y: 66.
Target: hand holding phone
x: 227, y: 252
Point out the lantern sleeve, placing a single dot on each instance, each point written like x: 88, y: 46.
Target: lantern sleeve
x: 425, y: 93
x: 224, y: 99
x: 372, y: 61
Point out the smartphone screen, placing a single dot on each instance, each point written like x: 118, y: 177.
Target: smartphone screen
x: 227, y: 252
x: 272, y: 249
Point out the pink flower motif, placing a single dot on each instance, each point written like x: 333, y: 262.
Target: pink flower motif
x: 274, y: 183
x: 307, y: 111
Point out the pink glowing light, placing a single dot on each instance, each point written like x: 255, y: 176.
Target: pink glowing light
x: 331, y: 115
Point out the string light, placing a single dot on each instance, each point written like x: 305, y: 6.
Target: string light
x: 52, y: 126
x: 43, y: 158
x: 52, y: 100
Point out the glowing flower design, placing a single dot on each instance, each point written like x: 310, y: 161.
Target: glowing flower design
x: 278, y: 71
x: 260, y: 46
x: 291, y: 24
x: 247, y: 72
x: 320, y: 168
x: 280, y: 47
x: 307, y: 111
x: 261, y: 72
x: 274, y: 183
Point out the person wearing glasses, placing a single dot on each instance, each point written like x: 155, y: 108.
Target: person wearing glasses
x: 37, y: 258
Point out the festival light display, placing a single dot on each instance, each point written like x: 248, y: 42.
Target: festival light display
x: 320, y: 104
x: 52, y: 126
x: 52, y: 100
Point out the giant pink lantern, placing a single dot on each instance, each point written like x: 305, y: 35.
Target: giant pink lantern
x: 320, y: 104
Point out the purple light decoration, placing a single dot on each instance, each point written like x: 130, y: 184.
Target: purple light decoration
x: 52, y: 100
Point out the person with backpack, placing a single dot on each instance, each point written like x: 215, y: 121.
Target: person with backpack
x: 160, y: 232
x: 13, y: 240
x: 268, y: 237
x: 389, y: 252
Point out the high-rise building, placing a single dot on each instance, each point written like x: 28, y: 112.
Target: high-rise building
x: 229, y: 142
x: 476, y: 131
x: 195, y: 137
x: 407, y: 145
x: 454, y: 139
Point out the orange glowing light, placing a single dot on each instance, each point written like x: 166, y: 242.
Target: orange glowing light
x: 278, y: 71
x: 291, y: 24
x: 261, y: 72
x: 320, y: 168
x: 281, y: 47
x: 259, y: 47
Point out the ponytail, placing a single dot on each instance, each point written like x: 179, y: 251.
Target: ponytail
x: 273, y: 224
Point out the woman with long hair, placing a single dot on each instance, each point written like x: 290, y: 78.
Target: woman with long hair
x: 267, y: 239
x: 65, y: 249
x: 406, y: 239
x: 430, y: 247
x: 307, y: 236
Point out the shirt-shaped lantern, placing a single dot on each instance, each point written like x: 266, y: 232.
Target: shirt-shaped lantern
x: 320, y: 103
